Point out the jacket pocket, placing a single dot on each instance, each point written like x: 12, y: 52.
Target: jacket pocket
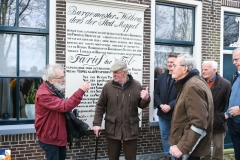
x: 52, y: 131
x: 110, y: 123
x: 134, y: 126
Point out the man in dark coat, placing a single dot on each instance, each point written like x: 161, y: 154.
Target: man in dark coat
x: 164, y: 97
x: 220, y: 89
x: 119, y: 101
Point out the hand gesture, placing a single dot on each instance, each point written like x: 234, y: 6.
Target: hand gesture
x: 85, y: 86
x: 144, y: 94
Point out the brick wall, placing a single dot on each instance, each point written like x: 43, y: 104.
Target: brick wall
x: 211, y: 30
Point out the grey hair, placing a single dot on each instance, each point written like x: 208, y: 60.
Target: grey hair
x: 236, y: 50
x: 49, y: 72
x: 214, y: 64
x: 187, y: 60
x: 125, y: 70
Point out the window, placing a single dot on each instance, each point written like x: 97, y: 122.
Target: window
x: 231, y: 31
x: 174, y: 33
x: 24, y: 35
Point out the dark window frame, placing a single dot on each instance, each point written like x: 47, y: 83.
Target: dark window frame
x: 24, y: 31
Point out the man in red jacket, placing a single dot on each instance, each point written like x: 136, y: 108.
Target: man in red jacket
x: 50, y: 112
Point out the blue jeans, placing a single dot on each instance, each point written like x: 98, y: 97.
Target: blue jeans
x: 164, y: 125
x: 53, y: 152
x: 234, y: 131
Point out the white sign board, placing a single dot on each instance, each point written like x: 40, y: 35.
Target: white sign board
x: 96, y: 37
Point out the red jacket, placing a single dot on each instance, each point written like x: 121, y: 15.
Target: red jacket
x: 50, y: 111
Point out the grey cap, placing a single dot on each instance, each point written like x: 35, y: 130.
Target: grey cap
x: 117, y: 65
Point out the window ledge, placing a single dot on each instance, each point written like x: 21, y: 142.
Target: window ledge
x: 17, y: 129
x: 153, y: 123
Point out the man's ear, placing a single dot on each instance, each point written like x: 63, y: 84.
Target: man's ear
x: 186, y: 69
x: 50, y: 80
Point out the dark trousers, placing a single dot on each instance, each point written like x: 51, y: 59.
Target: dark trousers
x: 115, y: 146
x: 53, y: 152
x: 234, y: 131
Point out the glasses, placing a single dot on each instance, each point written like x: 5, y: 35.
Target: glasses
x: 235, y: 59
x: 174, y: 65
x: 63, y: 77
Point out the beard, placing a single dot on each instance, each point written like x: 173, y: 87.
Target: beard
x: 59, y: 86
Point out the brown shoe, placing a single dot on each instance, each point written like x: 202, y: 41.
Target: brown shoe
x: 167, y: 158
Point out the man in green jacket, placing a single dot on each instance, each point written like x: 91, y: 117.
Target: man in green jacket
x: 119, y: 100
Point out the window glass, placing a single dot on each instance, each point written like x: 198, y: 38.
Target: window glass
x: 28, y: 89
x: 162, y: 52
x: 231, y: 29
x: 174, y: 23
x: 32, y: 14
x: 7, y: 13
x: 164, y: 22
x: 6, y: 106
x: 174, y: 32
x: 8, y: 54
x: 184, y: 26
x: 32, y: 55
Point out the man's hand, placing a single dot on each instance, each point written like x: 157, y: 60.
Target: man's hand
x: 144, y: 94
x: 175, y: 152
x: 85, y: 86
x: 97, y: 130
x: 234, y: 111
x: 165, y: 108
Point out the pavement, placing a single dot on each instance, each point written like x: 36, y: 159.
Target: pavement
x: 229, y: 154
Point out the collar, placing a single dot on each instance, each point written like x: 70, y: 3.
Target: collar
x: 212, y: 79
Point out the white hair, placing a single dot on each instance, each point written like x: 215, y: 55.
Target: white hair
x: 49, y: 72
x: 187, y: 60
x: 236, y: 50
x: 213, y: 63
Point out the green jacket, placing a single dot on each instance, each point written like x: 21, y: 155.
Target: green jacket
x: 120, y: 106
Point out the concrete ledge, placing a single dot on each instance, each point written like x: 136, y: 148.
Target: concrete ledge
x: 17, y: 129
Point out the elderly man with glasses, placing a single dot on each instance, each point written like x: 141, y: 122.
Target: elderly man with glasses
x: 50, y: 121
x: 233, y: 113
x: 191, y: 127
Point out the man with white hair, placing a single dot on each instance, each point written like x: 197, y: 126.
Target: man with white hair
x: 220, y: 89
x: 191, y: 127
x: 50, y: 109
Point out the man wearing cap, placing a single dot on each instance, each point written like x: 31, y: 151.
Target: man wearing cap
x: 119, y: 101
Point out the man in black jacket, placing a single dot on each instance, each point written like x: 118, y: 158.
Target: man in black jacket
x: 220, y: 89
x: 164, y: 98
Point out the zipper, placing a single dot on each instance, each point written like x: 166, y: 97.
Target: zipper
x: 117, y: 99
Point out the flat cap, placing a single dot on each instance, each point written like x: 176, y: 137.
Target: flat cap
x: 117, y: 65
